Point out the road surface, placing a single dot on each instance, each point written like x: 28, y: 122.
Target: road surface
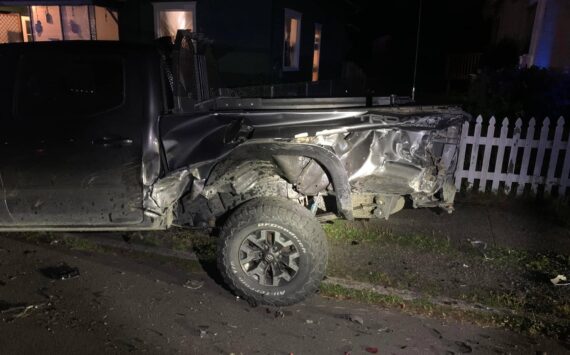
x: 119, y: 303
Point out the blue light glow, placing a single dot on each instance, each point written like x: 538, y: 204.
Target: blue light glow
x: 547, y: 35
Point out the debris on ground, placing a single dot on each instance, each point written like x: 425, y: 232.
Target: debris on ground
x: 309, y: 321
x: 278, y: 313
x: 11, y: 311
x: 203, y: 331
x: 371, y: 350
x: 193, y: 284
x: 62, y: 272
x: 480, y: 246
x: 229, y: 325
x: 463, y: 348
x: 356, y: 319
x: 559, y: 280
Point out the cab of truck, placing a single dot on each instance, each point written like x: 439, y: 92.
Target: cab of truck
x: 78, y: 123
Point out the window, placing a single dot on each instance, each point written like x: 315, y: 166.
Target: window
x: 10, y: 28
x: 292, y: 40
x: 106, y: 24
x: 46, y: 23
x: 317, y: 51
x: 39, y: 23
x: 169, y: 17
x: 75, y: 21
x: 80, y: 85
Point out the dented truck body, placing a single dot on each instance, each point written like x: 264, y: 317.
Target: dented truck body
x: 138, y: 164
x: 366, y: 160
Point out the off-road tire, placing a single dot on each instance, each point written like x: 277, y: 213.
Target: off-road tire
x: 306, y: 233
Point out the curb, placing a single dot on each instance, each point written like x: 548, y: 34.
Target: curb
x: 414, y: 296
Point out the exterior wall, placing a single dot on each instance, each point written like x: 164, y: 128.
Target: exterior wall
x: 513, y: 22
x: 248, y: 38
x: 333, y: 44
x: 242, y: 39
x: 560, y: 45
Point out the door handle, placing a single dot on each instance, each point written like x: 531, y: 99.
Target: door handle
x: 112, y: 141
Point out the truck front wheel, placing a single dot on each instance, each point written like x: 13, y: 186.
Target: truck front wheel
x: 272, y: 251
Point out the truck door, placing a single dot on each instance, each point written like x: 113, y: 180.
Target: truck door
x: 70, y: 150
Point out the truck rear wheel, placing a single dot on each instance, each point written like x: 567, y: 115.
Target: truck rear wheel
x: 272, y: 251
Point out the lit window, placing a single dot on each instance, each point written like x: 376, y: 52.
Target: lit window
x: 41, y: 23
x: 169, y: 17
x: 46, y: 23
x: 10, y: 28
x: 292, y: 40
x: 317, y: 51
x: 75, y: 21
x: 106, y: 24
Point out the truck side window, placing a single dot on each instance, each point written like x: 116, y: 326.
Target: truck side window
x: 69, y: 86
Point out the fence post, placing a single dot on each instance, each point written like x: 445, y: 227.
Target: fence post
x: 536, y: 179
x: 556, y: 144
x: 564, y: 180
x: 474, y: 152
x: 487, y: 154
x: 523, y: 175
x: 516, y: 141
x: 461, y: 161
x: 500, y: 154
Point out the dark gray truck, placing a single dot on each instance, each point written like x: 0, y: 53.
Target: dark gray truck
x: 100, y: 136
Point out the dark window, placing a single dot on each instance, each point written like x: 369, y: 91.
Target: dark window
x: 70, y: 86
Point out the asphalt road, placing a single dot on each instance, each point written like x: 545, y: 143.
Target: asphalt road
x: 121, y: 304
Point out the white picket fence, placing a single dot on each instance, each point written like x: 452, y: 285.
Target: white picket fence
x: 502, y: 166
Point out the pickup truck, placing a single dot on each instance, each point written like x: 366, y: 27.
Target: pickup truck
x: 102, y: 136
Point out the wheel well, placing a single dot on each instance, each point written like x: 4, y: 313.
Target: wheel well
x: 289, y: 170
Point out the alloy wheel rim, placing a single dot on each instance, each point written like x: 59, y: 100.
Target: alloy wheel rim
x: 270, y: 257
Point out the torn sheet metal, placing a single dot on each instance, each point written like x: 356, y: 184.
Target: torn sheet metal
x: 382, y: 153
x: 394, y: 161
x: 165, y: 192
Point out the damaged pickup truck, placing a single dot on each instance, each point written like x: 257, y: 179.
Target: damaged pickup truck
x: 110, y: 136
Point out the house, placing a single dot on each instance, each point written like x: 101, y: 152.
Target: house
x: 539, y: 28
x: 254, y: 42
x: 35, y: 21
